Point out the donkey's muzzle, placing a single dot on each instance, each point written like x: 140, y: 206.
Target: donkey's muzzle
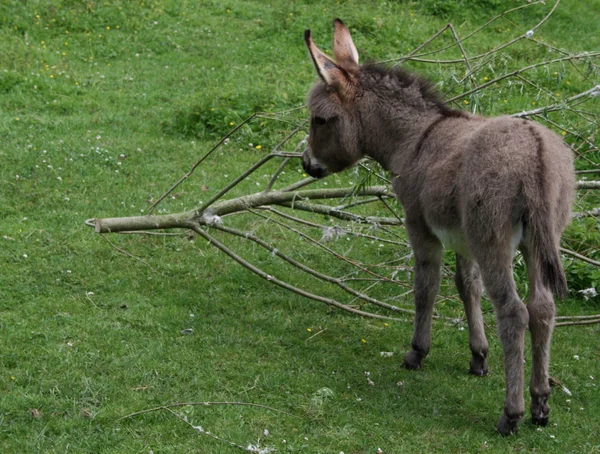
x: 311, y: 166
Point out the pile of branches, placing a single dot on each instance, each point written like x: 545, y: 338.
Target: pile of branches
x: 322, y: 217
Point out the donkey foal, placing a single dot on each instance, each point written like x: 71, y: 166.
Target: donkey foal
x: 482, y: 187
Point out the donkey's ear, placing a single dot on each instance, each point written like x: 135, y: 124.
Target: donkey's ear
x: 344, y: 49
x: 328, y: 70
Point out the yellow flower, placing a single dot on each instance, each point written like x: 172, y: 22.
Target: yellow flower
x: 363, y: 341
x: 466, y: 102
x: 258, y: 147
x: 309, y: 330
x: 563, y: 133
x: 231, y: 123
x: 386, y: 324
x: 108, y: 27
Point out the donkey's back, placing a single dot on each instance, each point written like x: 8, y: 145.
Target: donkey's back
x: 483, y: 187
x: 473, y: 181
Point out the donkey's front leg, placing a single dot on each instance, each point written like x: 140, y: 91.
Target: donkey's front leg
x: 428, y: 259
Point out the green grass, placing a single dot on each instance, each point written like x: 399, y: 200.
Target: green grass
x: 103, y: 105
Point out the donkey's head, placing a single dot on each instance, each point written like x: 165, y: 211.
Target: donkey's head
x: 333, y: 143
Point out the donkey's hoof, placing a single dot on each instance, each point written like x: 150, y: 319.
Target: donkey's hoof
x: 540, y: 421
x: 479, y: 372
x: 412, y: 360
x: 540, y: 410
x: 508, y: 426
x: 478, y: 367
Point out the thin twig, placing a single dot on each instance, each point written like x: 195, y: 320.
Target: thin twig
x: 207, y: 404
x: 582, y: 322
x: 124, y: 252
x: 579, y: 256
x: 189, y: 173
x: 522, y: 70
x: 205, y: 432
x: 308, y: 270
x: 285, y: 285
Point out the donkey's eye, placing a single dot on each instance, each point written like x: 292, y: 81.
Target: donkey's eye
x: 320, y: 121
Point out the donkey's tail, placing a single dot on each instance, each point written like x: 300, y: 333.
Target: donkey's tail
x: 545, y: 252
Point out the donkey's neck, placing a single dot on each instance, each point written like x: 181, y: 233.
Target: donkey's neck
x: 392, y: 140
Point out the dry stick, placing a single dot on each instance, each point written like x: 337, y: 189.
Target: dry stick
x: 584, y: 172
x: 285, y: 162
x: 586, y: 214
x: 322, y: 227
x: 252, y: 169
x: 586, y: 94
x: 283, y: 284
x: 527, y: 35
x: 579, y: 256
x: 308, y: 270
x: 344, y: 215
x: 588, y: 184
x: 238, y: 180
x: 577, y: 317
x: 504, y: 13
x: 464, y: 54
x: 189, y: 173
x: 207, y: 404
x: 299, y: 184
x: 204, y: 432
x: 335, y: 254
x: 127, y: 253
x: 522, y: 70
x: 583, y: 322
x: 224, y: 207
x: 276, y: 174
x: 399, y: 61
x: 142, y: 232
x: 392, y: 211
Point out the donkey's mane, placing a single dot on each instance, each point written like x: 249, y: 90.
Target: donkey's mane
x: 405, y: 78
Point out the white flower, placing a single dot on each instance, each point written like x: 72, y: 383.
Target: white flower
x: 588, y: 293
x: 529, y: 34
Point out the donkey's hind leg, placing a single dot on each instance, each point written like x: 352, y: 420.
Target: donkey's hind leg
x: 468, y: 283
x: 512, y: 320
x: 428, y: 261
x: 541, y: 324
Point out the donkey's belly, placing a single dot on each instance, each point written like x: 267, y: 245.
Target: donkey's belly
x: 455, y: 240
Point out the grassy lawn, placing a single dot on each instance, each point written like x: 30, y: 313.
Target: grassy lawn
x: 103, y: 105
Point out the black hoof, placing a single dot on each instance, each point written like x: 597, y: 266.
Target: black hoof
x: 508, y: 426
x: 478, y: 366
x: 479, y: 371
x: 412, y: 360
x: 540, y: 420
x: 540, y: 411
